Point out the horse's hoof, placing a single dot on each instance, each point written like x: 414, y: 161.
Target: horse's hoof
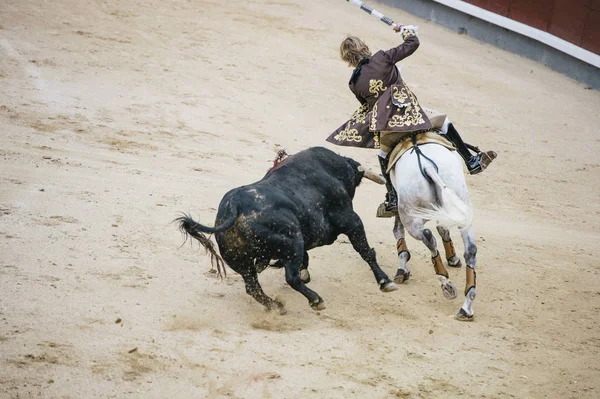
x: 449, y: 290
x: 319, y: 305
x: 388, y: 287
x: 402, y: 276
x: 305, y: 276
x: 463, y: 316
x: 457, y: 263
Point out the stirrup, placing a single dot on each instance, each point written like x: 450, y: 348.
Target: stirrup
x: 484, y: 159
x: 386, y: 210
x: 487, y: 158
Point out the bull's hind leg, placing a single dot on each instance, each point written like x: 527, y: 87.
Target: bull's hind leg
x: 466, y: 311
x: 293, y: 263
x: 451, y: 257
x: 358, y: 238
x: 419, y: 232
x: 403, y: 272
x: 254, y: 289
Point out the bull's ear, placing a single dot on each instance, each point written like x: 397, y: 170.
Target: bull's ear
x: 369, y: 174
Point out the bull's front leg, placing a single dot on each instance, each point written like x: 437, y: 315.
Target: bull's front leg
x: 358, y: 239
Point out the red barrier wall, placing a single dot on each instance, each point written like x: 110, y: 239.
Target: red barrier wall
x: 576, y: 21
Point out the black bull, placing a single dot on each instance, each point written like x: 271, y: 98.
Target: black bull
x: 303, y: 203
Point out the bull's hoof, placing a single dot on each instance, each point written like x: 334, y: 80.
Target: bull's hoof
x: 402, y: 276
x: 305, y: 276
x: 320, y: 305
x: 463, y: 316
x: 388, y: 286
x: 456, y: 263
x: 277, y: 306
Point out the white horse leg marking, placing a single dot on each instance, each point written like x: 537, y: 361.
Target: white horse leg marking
x: 418, y: 231
x: 451, y: 257
x: 466, y: 311
x: 403, y: 272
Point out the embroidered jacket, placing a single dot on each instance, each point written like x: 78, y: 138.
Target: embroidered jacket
x: 388, y: 105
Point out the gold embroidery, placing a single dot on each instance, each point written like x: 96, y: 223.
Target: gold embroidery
x: 376, y: 140
x: 410, y: 114
x: 399, y: 95
x: 348, y: 135
x: 376, y: 86
x: 374, y: 118
x: 360, y: 115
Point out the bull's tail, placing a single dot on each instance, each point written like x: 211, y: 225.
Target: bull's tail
x: 451, y: 212
x: 189, y: 227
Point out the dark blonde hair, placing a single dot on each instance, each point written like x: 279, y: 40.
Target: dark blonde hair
x: 352, y: 50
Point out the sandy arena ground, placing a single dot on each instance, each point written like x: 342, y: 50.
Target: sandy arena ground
x: 117, y: 115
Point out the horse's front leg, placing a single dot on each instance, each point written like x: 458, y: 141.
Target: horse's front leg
x: 451, y: 257
x: 466, y: 311
x: 403, y: 272
x: 419, y: 232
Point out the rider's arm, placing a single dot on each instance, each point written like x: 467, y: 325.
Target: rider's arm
x: 360, y: 98
x: 410, y: 45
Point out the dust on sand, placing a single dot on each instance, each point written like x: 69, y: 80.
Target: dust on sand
x: 114, y: 116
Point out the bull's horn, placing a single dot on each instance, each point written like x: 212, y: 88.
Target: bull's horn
x: 369, y: 174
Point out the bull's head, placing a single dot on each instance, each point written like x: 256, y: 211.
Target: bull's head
x: 364, y: 172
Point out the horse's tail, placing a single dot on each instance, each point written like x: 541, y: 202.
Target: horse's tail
x: 189, y: 227
x: 451, y: 211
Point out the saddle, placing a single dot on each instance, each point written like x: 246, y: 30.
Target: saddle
x: 409, y: 141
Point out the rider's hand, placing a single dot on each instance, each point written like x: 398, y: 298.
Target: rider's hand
x: 397, y: 28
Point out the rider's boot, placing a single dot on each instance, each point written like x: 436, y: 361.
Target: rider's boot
x: 389, y: 208
x: 475, y: 163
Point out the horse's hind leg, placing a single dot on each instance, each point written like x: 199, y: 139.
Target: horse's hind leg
x: 254, y: 289
x: 451, y: 257
x: 466, y: 311
x: 403, y: 272
x: 419, y: 232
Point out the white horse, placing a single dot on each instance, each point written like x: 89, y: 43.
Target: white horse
x: 435, y: 191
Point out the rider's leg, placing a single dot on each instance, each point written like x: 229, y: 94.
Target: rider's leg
x: 389, y: 208
x: 475, y: 163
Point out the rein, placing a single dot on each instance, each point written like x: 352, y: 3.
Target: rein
x: 420, y: 154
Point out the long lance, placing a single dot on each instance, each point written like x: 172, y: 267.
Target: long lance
x: 373, y: 12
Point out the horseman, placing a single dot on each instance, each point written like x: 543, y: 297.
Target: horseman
x: 390, y: 111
